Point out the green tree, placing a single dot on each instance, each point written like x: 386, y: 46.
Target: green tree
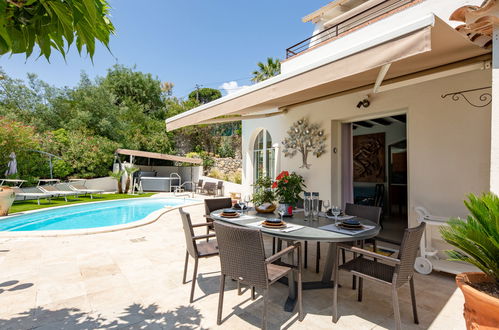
x: 131, y: 86
x: 15, y: 137
x: 205, y: 95
x: 266, y: 70
x: 53, y: 24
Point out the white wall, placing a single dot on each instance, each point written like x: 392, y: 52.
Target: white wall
x: 229, y: 187
x: 106, y: 183
x: 441, y: 8
x: 448, y: 142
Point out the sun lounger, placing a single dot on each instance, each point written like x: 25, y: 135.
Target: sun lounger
x: 22, y: 195
x: 83, y: 189
x: 59, y: 193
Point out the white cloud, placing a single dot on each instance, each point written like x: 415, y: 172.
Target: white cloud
x: 231, y: 87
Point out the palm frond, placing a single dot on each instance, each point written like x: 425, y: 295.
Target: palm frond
x: 477, y: 237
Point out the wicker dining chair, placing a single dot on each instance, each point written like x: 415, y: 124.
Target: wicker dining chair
x: 395, y: 276
x: 372, y: 213
x: 195, y: 249
x: 242, y: 257
x: 213, y: 204
x: 220, y: 188
x: 199, y: 186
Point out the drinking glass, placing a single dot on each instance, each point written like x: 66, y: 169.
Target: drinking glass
x: 247, y: 200
x: 241, y: 205
x: 282, y: 211
x: 326, y: 204
x: 336, y: 212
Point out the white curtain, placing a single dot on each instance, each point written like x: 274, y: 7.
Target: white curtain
x: 346, y: 164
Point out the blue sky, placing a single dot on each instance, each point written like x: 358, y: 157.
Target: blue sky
x: 186, y: 42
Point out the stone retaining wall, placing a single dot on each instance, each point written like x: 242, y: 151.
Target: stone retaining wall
x: 228, y: 165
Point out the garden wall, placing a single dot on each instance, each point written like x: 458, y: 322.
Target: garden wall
x: 228, y: 186
x: 228, y: 165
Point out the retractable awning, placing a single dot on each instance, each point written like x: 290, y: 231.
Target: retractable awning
x: 422, y: 45
x: 155, y: 155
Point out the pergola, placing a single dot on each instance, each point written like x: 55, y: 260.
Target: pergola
x: 156, y: 155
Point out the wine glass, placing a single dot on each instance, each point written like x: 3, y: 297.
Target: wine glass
x: 247, y: 200
x: 282, y: 211
x: 240, y: 202
x: 326, y: 204
x: 336, y: 212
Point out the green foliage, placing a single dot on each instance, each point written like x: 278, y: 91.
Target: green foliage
x: 87, y: 156
x: 207, y: 159
x: 130, y: 86
x: 263, y: 192
x: 85, y: 124
x: 53, y: 24
x: 477, y: 236
x: 267, y: 70
x: 205, y: 95
x: 15, y: 137
x: 118, y: 176
x: 288, y: 187
x: 225, y: 149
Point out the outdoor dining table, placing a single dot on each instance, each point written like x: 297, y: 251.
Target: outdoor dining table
x: 310, y: 231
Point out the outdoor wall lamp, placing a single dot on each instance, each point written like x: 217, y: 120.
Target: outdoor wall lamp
x: 364, y: 103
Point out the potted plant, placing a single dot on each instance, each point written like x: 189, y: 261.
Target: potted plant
x: 477, y: 239
x: 264, y: 197
x: 7, y: 197
x: 288, y: 188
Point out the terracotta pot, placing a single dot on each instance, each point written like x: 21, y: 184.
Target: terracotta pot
x: 481, y: 311
x: 7, y: 197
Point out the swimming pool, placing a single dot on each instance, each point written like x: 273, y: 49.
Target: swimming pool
x: 91, y: 215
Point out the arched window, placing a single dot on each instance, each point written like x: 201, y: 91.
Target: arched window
x: 263, y: 156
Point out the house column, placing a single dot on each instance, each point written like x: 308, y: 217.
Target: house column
x: 494, y: 118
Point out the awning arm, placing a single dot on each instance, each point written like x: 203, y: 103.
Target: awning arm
x: 237, y: 118
x: 381, y: 76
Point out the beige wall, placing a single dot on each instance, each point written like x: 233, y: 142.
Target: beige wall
x: 448, y: 142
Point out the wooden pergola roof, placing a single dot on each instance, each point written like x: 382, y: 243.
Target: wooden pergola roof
x: 156, y: 155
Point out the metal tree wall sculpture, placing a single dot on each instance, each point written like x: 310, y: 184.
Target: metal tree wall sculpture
x: 304, y: 138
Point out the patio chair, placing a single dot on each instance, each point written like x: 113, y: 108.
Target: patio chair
x: 80, y: 187
x: 24, y: 195
x: 58, y: 193
x: 214, y: 204
x: 210, y: 188
x: 220, y: 188
x: 194, y: 249
x: 242, y: 256
x: 394, y: 272
x: 372, y: 213
x: 199, y: 186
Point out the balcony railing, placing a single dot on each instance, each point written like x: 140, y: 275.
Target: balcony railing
x: 371, y: 14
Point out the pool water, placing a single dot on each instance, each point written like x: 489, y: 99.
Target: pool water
x: 93, y: 215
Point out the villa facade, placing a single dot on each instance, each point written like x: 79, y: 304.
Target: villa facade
x: 402, y: 97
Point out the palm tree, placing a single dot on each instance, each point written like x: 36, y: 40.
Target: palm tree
x: 129, y: 173
x: 118, y: 176
x: 266, y: 70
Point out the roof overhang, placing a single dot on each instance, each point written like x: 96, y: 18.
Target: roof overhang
x: 418, y: 46
x: 155, y: 155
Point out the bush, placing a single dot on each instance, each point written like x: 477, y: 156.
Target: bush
x: 16, y: 137
x: 225, y: 149
x: 216, y: 174
x: 84, y: 156
x: 206, y: 157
